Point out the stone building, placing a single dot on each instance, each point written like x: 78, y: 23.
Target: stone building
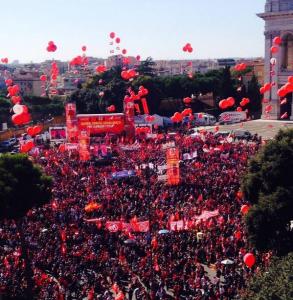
x: 278, y: 17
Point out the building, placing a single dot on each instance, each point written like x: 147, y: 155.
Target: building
x: 226, y: 62
x: 118, y: 60
x: 29, y: 82
x: 177, y: 67
x: 257, y: 69
x: 278, y: 17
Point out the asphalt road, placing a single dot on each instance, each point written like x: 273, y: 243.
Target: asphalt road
x: 267, y: 129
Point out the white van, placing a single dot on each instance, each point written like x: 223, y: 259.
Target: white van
x: 203, y: 119
x: 231, y: 117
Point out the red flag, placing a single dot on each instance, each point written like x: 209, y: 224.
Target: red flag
x: 200, y: 198
x: 113, y: 226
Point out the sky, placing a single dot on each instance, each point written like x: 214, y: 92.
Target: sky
x: 156, y: 28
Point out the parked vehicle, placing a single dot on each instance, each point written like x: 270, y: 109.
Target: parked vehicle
x: 242, y: 134
x: 203, y: 119
x: 231, y: 117
x: 222, y: 134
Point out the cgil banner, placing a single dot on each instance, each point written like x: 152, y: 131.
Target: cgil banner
x: 115, y: 226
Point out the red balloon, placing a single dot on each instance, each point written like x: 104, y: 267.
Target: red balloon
x: 117, y: 40
x: 274, y: 49
x: 138, y: 57
x: 190, y: 49
x: 282, y: 92
x: 239, y: 109
x: 230, y: 101
x: 43, y: 77
x: 37, y: 129
x: 124, y: 51
x: 15, y: 99
x: 268, y: 108
x: 8, y: 82
x: 111, y: 108
x: 112, y: 35
x: 101, y: 69
x: 277, y: 40
x: 244, y: 209
x: 290, y: 79
x: 30, y: 131
x: 249, y: 260
x: 262, y: 90
x: 83, y: 48
x: 187, y: 100
x: 20, y: 119
x: 267, y: 86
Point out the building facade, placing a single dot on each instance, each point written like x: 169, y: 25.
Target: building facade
x: 278, y: 17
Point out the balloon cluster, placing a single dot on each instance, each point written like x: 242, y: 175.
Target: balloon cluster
x: 4, y: 60
x: 226, y: 103
x: 78, y: 61
x: 111, y: 108
x: 27, y: 146
x: 286, y: 88
x: 140, y: 130
x: 51, y: 47
x: 34, y: 130
x: 21, y: 115
x: 177, y: 117
x: 186, y: 112
x: 244, y: 102
x: 187, y: 100
x: 129, y: 74
x: 187, y: 48
x: 43, y: 78
x: 54, y: 76
x: 142, y: 91
x: 101, y: 69
x: 276, y: 43
x: 265, y: 88
x: 240, y: 67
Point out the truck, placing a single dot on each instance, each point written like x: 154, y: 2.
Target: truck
x: 231, y: 117
x: 204, y: 119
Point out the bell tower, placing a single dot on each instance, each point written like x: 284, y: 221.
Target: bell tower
x: 278, y: 17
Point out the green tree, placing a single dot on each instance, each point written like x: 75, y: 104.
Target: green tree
x: 268, y: 186
x: 147, y: 67
x: 275, y: 283
x: 254, y: 95
x: 226, y: 84
x: 87, y: 101
x: 154, y: 87
x: 22, y: 187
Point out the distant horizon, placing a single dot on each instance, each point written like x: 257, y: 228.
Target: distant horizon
x: 160, y: 59
x: 156, y: 28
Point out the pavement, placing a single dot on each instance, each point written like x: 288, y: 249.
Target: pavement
x: 267, y: 129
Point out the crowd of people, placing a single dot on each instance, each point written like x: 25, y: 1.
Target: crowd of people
x: 74, y: 255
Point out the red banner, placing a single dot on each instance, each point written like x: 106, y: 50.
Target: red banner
x: 84, y: 145
x: 177, y: 225
x: 114, y: 226
x: 71, y: 122
x: 173, y: 174
x: 101, y: 123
